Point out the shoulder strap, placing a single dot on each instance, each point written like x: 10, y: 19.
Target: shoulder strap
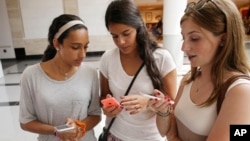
x: 132, y: 81
x: 126, y: 93
x: 222, y: 91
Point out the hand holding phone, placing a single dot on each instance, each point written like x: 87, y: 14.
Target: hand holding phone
x: 154, y: 97
x: 109, y: 102
x: 64, y: 128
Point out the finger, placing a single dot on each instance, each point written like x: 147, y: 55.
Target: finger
x: 132, y: 107
x: 113, y: 113
x: 158, y: 93
x: 159, y: 102
x: 136, y: 110
x: 163, y: 107
x: 129, y: 98
x: 108, y: 95
x: 129, y: 103
x: 150, y: 102
x: 107, y: 110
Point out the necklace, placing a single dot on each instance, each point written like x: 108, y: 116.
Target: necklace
x: 199, y: 87
x: 65, y: 74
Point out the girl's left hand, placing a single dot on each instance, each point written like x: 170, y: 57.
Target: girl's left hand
x: 67, y: 135
x: 134, y: 103
x: 75, y: 135
x: 162, y: 103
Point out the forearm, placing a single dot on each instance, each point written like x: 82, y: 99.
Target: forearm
x: 163, y: 124
x: 91, y: 121
x: 173, y: 138
x: 38, y: 127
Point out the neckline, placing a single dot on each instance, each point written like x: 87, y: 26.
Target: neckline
x: 120, y: 65
x: 58, y: 81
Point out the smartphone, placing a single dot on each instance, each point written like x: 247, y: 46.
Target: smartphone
x: 109, y: 102
x: 153, y: 97
x: 64, y: 128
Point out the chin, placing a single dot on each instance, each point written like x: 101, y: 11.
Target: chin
x: 194, y: 65
x: 78, y: 64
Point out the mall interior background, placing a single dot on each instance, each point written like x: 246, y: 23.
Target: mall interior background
x: 23, y: 32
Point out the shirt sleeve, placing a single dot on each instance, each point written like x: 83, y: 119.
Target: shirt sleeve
x: 94, y: 106
x: 164, y: 61
x: 26, y: 109
x: 104, y: 63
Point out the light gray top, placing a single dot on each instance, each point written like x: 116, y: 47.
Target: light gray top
x: 52, y: 102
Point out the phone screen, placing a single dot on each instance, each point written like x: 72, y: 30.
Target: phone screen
x: 64, y: 128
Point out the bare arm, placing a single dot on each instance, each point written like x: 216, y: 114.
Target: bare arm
x: 105, y: 92
x: 234, y: 110
x: 167, y: 125
x: 170, y: 83
x: 91, y: 121
x: 104, y: 86
x: 38, y: 127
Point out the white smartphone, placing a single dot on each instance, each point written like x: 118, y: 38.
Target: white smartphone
x: 64, y: 128
x: 152, y: 96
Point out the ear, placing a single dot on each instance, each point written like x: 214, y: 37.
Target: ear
x: 223, y: 39
x: 56, y: 44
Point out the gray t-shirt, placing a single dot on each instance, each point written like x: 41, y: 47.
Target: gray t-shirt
x: 52, y: 102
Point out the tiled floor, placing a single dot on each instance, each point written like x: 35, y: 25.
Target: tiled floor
x: 9, y: 99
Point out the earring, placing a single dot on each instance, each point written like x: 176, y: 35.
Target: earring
x: 57, y: 49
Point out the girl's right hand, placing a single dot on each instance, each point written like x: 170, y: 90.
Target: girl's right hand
x: 160, y: 104
x: 69, y: 135
x: 112, y: 111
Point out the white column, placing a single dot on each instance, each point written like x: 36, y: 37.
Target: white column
x: 172, y: 39
x: 1, y: 69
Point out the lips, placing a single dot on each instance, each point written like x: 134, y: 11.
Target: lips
x: 79, y: 61
x: 190, y: 57
x: 124, y: 48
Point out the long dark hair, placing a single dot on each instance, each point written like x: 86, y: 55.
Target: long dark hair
x: 126, y: 12
x: 57, y: 23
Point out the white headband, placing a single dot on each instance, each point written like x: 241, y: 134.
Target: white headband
x: 67, y: 26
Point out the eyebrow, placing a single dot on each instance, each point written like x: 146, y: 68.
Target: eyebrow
x: 192, y: 32
x: 73, y: 43
x: 122, y: 32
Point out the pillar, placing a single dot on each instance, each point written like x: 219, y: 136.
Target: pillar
x: 1, y: 69
x: 172, y: 39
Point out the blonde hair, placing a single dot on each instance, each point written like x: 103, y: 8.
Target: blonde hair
x: 221, y: 17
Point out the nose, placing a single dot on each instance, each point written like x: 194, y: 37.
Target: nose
x: 185, y: 46
x: 82, y: 52
x: 121, y: 40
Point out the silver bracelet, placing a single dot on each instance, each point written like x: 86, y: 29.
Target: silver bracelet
x: 164, y: 114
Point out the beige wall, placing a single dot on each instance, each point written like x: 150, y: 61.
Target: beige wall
x: 37, y: 46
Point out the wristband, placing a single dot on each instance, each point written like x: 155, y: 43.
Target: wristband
x: 56, y: 133
x: 164, y: 114
x: 82, y: 125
